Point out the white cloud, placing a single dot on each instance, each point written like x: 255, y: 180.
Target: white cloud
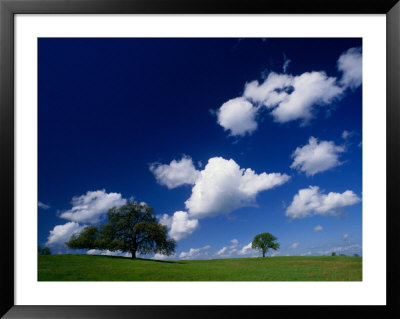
x: 285, y: 64
x: 237, y: 116
x: 92, y: 207
x: 107, y: 252
x: 346, y: 134
x: 228, y: 251
x: 316, y: 157
x: 309, y: 89
x: 310, y: 201
x: 293, y: 97
x: 62, y: 233
x: 195, y: 253
x: 221, y: 251
x: 350, y: 64
x: 305, y: 254
x: 270, y: 92
x: 158, y: 256
x: 165, y: 219
x: 353, y: 248
x: 294, y: 245
x: 247, y: 250
x: 290, y: 97
x: 175, y: 174
x: 180, y: 224
x: 236, y: 250
x: 223, y: 187
x: 318, y: 228
x: 345, y: 236
x: 96, y: 252
x: 43, y: 205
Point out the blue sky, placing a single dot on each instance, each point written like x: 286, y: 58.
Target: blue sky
x: 225, y: 138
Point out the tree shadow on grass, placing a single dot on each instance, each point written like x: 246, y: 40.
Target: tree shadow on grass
x: 165, y: 261
x: 145, y: 259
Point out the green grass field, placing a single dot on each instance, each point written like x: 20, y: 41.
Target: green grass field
x: 106, y: 268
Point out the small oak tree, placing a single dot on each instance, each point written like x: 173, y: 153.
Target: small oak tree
x: 262, y: 242
x: 130, y: 228
x: 44, y: 251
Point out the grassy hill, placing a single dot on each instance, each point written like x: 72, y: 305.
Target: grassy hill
x: 107, y: 268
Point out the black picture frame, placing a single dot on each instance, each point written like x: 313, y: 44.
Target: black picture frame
x: 8, y: 8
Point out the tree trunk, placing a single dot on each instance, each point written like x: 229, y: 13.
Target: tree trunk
x: 263, y: 253
x: 133, y: 254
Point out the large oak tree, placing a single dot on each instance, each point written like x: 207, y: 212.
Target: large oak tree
x: 130, y: 228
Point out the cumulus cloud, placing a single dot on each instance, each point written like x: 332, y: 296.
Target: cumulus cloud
x: 221, y: 251
x: 346, y: 134
x: 271, y: 92
x: 318, y: 228
x: 293, y: 97
x: 294, y: 245
x: 43, y: 205
x: 285, y: 64
x: 316, y: 157
x: 309, y: 89
x: 306, y: 254
x: 236, y: 250
x: 228, y: 251
x: 176, y: 173
x: 247, y: 250
x: 223, y: 187
x: 165, y: 219
x: 62, y: 233
x: 180, y: 224
x: 310, y: 201
x: 158, y: 256
x: 348, y: 248
x: 350, y: 64
x: 107, y: 252
x: 92, y: 207
x: 290, y: 97
x: 237, y: 116
x: 197, y: 253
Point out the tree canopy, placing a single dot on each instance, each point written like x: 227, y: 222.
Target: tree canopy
x: 130, y: 228
x: 44, y: 251
x: 262, y: 242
